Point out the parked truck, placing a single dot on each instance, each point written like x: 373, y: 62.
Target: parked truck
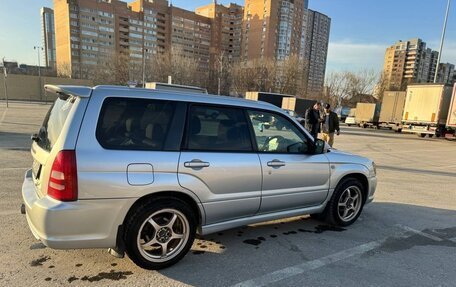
x: 367, y: 115
x: 272, y: 98
x: 392, y: 110
x: 426, y: 109
x: 451, y: 121
x: 297, y: 105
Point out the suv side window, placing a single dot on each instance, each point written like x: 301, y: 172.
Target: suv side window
x: 136, y: 124
x: 218, y: 129
x: 276, y: 134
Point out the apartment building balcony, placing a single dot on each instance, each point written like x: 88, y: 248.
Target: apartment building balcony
x: 124, y: 29
x: 124, y: 43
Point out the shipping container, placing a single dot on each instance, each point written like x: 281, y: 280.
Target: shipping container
x: 451, y: 121
x: 367, y: 114
x: 426, y: 109
x: 272, y: 98
x: 175, y: 88
x: 297, y: 105
x: 392, y: 110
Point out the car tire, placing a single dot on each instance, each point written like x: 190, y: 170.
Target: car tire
x: 345, y: 193
x: 149, y: 233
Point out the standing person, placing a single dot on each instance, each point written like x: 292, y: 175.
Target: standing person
x: 330, y: 125
x: 313, y: 119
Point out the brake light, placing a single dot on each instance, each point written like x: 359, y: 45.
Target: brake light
x: 63, y: 180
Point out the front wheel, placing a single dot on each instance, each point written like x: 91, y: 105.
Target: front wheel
x: 346, y: 203
x: 159, y: 233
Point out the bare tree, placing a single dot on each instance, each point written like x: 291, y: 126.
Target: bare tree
x: 64, y: 70
x: 346, y: 85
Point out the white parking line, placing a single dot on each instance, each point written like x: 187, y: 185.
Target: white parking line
x: 14, y: 168
x: 310, y: 265
x: 3, y: 116
x: 10, y: 212
x: 332, y: 258
x: 430, y: 236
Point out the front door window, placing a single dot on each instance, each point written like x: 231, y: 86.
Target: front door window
x: 276, y: 134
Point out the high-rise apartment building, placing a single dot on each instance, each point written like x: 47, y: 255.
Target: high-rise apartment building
x: 282, y: 28
x: 409, y: 62
x: 48, y: 36
x: 191, y: 35
x: 272, y: 28
x: 89, y: 32
x: 226, y: 24
x: 314, y: 51
x: 446, y: 74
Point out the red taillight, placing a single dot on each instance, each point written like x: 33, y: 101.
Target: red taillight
x: 63, y: 180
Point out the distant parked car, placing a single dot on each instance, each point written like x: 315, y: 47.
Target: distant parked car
x: 342, y: 113
x: 142, y: 171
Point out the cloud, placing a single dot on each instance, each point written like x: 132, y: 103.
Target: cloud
x: 348, y: 55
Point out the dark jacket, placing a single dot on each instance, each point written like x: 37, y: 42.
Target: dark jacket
x: 312, y: 119
x: 332, y: 125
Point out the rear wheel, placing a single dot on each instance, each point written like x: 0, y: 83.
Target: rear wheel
x: 422, y: 135
x: 159, y: 233
x: 431, y: 136
x: 346, y: 204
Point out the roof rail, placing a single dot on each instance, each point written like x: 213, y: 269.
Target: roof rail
x: 76, y: 91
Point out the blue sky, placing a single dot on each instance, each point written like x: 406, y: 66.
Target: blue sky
x: 360, y: 32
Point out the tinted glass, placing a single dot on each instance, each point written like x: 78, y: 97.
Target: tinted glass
x: 276, y: 134
x: 139, y: 124
x: 53, y: 122
x: 218, y: 129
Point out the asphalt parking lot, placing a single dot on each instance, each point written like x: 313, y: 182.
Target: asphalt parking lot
x: 406, y: 237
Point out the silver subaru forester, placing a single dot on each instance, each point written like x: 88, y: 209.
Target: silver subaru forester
x: 142, y: 171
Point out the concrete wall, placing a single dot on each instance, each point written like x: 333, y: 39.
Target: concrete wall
x: 27, y: 88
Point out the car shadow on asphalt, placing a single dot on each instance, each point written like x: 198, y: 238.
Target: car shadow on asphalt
x: 413, y: 170
x: 248, y: 251
x: 15, y: 141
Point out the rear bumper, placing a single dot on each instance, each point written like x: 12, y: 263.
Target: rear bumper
x: 78, y: 224
x: 372, y: 187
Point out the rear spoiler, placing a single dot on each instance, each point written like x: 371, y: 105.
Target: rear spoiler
x: 66, y: 91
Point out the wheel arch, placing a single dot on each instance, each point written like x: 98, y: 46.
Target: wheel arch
x: 361, y: 178
x: 196, y: 208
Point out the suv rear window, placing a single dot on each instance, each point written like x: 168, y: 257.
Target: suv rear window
x: 136, y: 124
x: 53, y: 122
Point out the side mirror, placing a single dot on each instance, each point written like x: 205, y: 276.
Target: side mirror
x: 319, y: 146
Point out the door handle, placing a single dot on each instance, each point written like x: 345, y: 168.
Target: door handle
x: 196, y: 163
x: 276, y: 163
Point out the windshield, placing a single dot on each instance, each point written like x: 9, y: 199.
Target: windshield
x: 53, y: 122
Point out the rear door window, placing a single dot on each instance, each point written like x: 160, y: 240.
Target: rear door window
x: 218, y: 129
x: 54, y: 121
x: 135, y: 124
